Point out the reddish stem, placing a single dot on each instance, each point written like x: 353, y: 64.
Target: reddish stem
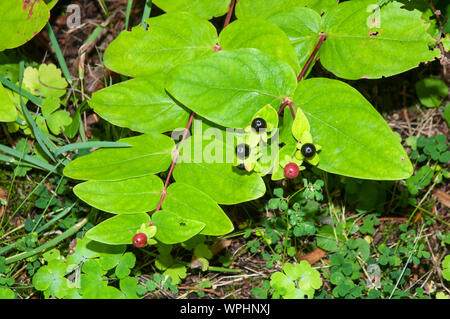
x: 322, y: 38
x: 229, y: 13
x: 166, y: 184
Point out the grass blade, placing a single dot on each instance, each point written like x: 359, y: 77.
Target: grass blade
x: 84, y: 145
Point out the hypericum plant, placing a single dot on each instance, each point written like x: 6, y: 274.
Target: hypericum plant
x: 215, y: 86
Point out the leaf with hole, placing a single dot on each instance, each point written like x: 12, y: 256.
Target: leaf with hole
x: 173, y: 229
x: 191, y: 203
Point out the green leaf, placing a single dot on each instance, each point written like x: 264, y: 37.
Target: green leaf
x: 50, y: 278
x: 6, y: 293
x: 173, y: 229
x: 191, y: 203
x: 119, y: 229
x: 46, y: 81
x: 264, y: 8
x: 205, y: 9
x: 171, y: 39
x: 20, y: 21
x: 129, y: 286
x: 58, y: 120
x: 431, y: 92
x: 355, y: 139
x: 231, y: 185
x: 8, y: 111
x: 149, y: 154
x: 364, y: 41
x: 302, y: 26
x: 126, y: 263
x: 141, y: 105
x: 134, y: 195
x: 326, y: 238
x: 229, y: 87
x: 87, y: 249
x: 259, y: 34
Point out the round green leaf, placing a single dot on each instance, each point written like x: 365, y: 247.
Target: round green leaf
x: 149, y: 154
x: 141, y: 105
x: 355, y: 139
x: 229, y: 87
x: 431, y: 92
x: 119, y: 229
x: 259, y: 34
x: 173, y: 229
x: 203, y: 8
x: 8, y: 111
x: 134, y: 195
x: 191, y: 203
x: 20, y: 21
x: 171, y: 39
x: 364, y: 41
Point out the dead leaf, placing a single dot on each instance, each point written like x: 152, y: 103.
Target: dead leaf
x: 442, y: 197
x: 3, y: 194
x: 220, y: 245
x: 313, y: 256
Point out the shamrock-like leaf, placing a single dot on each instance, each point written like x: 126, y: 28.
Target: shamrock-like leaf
x: 51, y: 280
x: 296, y: 281
x: 125, y: 264
x: 46, y: 81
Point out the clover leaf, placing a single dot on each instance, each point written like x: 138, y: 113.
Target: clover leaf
x: 296, y: 281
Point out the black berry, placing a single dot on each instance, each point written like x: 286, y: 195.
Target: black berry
x: 139, y: 240
x: 259, y: 124
x: 308, y: 150
x: 242, y: 151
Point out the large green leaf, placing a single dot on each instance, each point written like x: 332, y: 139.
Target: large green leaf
x: 8, y: 111
x: 21, y: 20
x: 171, y: 39
x: 119, y: 229
x: 203, y: 8
x: 267, y: 8
x: 223, y: 182
x: 264, y: 8
x: 302, y: 26
x: 355, y: 139
x: 259, y: 34
x: 366, y: 42
x: 140, y: 104
x: 134, y: 195
x: 173, y: 229
x: 206, y: 163
x: 190, y: 203
x: 149, y: 154
x: 229, y: 87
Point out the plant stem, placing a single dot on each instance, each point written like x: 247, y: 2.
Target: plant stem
x: 166, y: 184
x: 322, y: 38
x: 229, y: 13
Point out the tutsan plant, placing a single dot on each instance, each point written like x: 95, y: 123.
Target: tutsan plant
x: 220, y: 110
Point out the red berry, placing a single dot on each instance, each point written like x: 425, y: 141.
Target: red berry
x: 139, y: 240
x: 291, y: 170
